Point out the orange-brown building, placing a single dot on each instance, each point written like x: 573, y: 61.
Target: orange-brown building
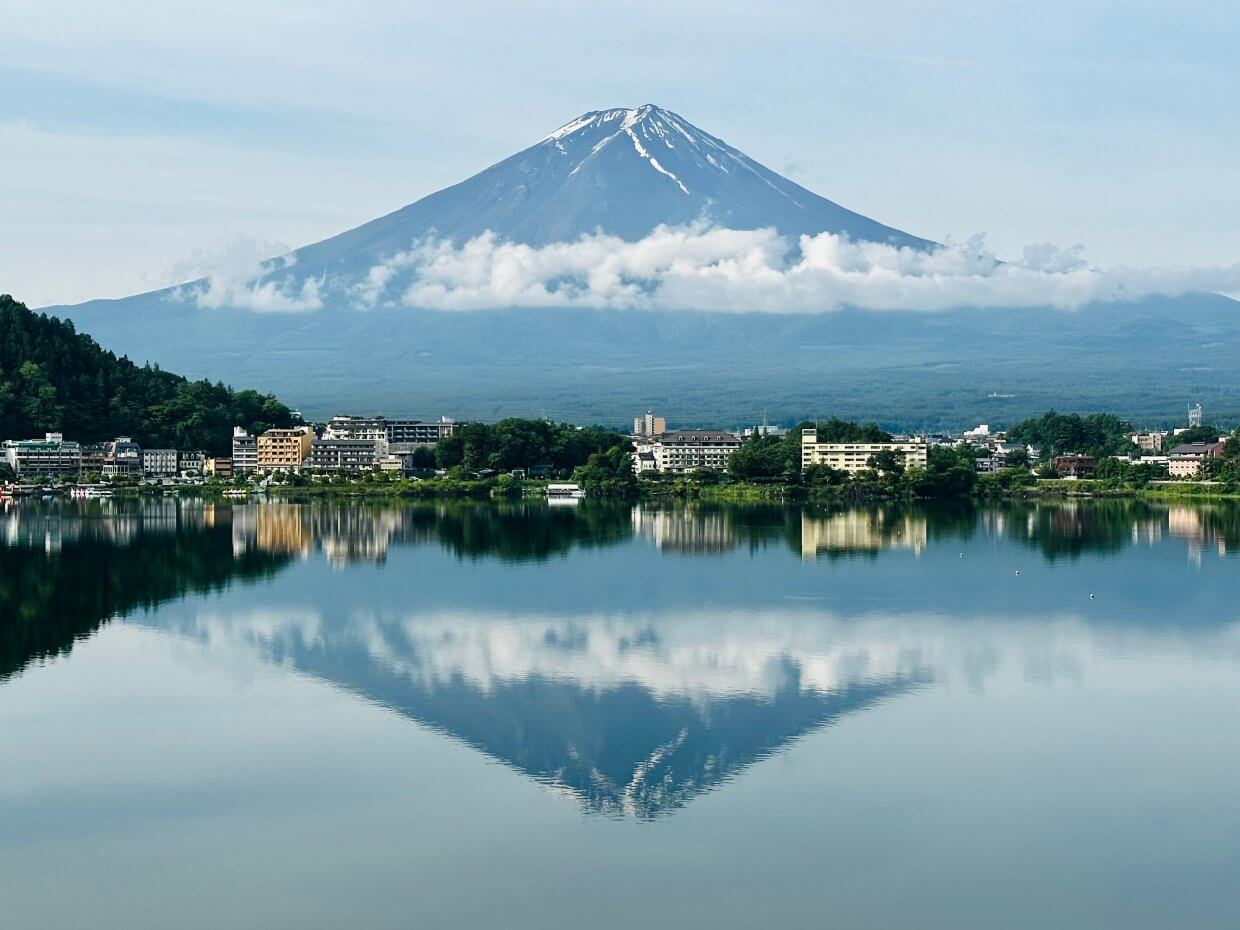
x: 284, y: 449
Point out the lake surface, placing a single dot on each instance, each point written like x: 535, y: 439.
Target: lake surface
x: 601, y: 716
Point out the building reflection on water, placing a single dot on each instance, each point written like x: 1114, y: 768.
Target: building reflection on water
x: 344, y: 534
x: 348, y: 533
x: 1195, y: 527
x: 686, y: 529
x: 861, y: 530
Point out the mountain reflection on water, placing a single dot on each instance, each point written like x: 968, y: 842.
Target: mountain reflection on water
x: 703, y: 639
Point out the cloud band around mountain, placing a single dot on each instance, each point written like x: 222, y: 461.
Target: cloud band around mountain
x: 701, y: 267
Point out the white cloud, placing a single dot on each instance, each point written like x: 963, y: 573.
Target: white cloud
x: 708, y: 268
x: 236, y: 274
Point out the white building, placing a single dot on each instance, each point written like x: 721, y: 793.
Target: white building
x: 643, y: 459
x: 362, y: 429
x: 393, y: 435
x: 764, y: 430
x: 244, y: 452
x: 853, y: 457
x: 687, y: 450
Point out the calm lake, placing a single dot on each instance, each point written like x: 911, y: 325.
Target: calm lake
x: 604, y: 716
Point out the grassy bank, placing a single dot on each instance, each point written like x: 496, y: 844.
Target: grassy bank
x: 717, y: 490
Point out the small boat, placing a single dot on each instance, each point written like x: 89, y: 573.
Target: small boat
x: 86, y: 492
x: 564, y: 491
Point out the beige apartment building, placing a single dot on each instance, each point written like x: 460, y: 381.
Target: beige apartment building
x: 284, y: 449
x: 1188, y: 459
x: 217, y: 468
x: 649, y: 426
x: 853, y: 457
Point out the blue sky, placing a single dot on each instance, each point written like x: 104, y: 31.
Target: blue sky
x: 135, y: 134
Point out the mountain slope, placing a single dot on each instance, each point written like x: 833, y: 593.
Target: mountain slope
x: 624, y: 171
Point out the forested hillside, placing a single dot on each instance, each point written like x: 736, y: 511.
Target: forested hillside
x: 53, y: 378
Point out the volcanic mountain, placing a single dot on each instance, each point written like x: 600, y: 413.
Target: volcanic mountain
x: 626, y: 173
x: 622, y: 171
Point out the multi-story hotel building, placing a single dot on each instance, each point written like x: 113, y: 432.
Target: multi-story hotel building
x: 690, y: 449
x: 122, y: 456
x: 1187, y: 460
x: 348, y: 455
x: 416, y: 432
x: 402, y: 434
x: 47, y: 456
x: 244, y: 452
x: 159, y: 463
x: 370, y: 429
x: 283, y: 449
x: 853, y: 457
x: 191, y: 464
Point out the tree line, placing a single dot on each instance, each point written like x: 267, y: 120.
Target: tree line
x: 55, y: 379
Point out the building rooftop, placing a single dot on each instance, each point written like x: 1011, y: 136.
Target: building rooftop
x: 1197, y: 448
x: 700, y: 435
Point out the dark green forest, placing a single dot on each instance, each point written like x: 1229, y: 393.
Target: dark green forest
x: 55, y: 379
x: 520, y: 443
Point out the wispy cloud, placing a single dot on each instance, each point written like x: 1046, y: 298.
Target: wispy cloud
x: 236, y: 273
x: 708, y: 268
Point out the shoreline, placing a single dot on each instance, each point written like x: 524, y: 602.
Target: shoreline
x: 738, y: 492
x: 723, y: 491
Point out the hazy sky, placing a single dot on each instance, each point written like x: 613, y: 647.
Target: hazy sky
x: 134, y: 134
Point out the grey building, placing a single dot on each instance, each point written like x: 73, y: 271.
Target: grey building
x: 93, y: 455
x: 345, y: 455
x: 191, y: 464
x: 416, y: 432
x: 122, y: 456
x: 50, y: 455
x: 159, y: 463
x: 404, y: 434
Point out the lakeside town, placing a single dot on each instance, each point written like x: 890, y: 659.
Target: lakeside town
x: 348, y: 448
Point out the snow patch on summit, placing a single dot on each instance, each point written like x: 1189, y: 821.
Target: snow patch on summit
x: 654, y: 162
x: 581, y: 122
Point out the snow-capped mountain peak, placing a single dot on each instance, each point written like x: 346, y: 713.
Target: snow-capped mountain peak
x: 653, y: 132
x: 625, y: 171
